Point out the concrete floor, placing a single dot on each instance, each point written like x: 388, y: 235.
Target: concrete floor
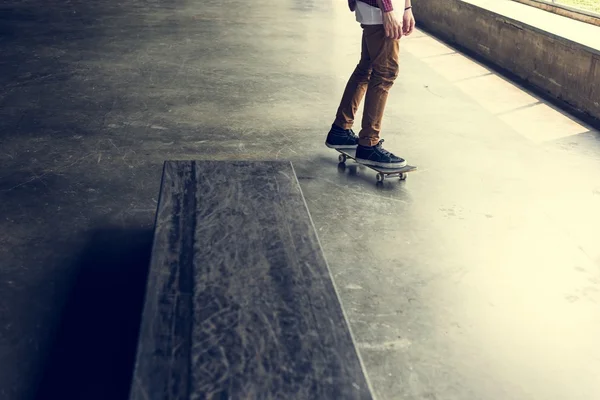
x: 477, y: 278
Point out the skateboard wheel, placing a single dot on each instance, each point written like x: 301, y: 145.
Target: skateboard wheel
x: 403, y: 177
x: 380, y: 177
x: 342, y: 158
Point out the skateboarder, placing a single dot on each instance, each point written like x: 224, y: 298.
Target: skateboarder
x: 374, y: 76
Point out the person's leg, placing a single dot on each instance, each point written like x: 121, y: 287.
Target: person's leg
x: 355, y: 90
x: 384, y: 53
x: 341, y: 135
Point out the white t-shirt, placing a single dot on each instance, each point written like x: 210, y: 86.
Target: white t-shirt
x: 368, y: 15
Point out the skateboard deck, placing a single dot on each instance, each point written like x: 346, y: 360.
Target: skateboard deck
x: 382, y: 173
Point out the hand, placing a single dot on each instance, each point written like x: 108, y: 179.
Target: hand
x: 408, y: 22
x: 392, y: 26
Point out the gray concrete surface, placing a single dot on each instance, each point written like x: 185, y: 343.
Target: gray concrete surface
x: 558, y: 55
x: 477, y: 278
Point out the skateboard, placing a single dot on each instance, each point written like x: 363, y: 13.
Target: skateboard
x: 382, y: 173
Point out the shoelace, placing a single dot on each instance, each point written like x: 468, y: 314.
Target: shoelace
x: 352, y: 134
x: 382, y: 150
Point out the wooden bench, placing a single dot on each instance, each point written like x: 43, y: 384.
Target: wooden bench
x: 239, y: 301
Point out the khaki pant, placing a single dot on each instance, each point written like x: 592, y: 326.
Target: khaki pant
x: 374, y: 75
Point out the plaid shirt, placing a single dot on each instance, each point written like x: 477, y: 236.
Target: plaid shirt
x: 387, y: 4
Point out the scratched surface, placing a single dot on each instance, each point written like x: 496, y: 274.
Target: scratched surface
x: 477, y: 278
x: 240, y: 303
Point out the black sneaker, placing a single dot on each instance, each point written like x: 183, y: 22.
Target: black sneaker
x: 377, y: 156
x: 339, y: 138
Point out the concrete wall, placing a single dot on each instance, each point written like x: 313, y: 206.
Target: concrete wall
x: 564, y: 69
x: 565, y: 11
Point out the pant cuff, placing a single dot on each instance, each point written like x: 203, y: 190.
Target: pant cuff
x: 343, y: 124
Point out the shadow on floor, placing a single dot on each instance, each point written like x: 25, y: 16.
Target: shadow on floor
x: 93, y: 355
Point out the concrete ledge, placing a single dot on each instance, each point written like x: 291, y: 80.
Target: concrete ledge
x: 565, y: 11
x: 561, y: 67
x: 240, y: 303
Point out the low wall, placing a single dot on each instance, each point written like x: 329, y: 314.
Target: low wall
x: 565, y: 11
x: 565, y: 70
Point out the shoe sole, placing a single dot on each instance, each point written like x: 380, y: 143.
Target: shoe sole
x: 370, y: 163
x: 341, y: 146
